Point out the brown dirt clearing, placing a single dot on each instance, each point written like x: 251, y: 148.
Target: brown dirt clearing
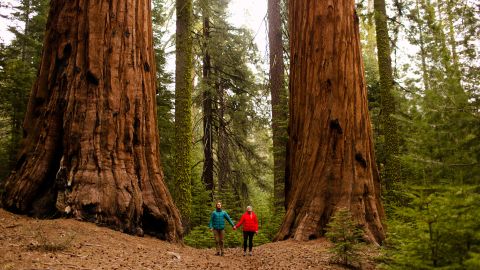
x: 28, y: 243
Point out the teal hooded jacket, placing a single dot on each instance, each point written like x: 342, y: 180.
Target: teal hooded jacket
x: 217, y: 220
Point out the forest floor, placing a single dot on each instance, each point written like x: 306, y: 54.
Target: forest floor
x: 27, y: 243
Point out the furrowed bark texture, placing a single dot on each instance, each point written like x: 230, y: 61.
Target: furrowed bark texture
x: 279, y: 101
x: 331, y: 163
x: 91, y: 145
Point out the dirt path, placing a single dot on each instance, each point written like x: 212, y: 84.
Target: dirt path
x: 25, y: 244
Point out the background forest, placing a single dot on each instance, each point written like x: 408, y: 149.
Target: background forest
x: 426, y: 127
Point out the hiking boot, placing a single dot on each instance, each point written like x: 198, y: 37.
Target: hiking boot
x: 244, y: 253
x: 221, y: 253
x: 250, y: 253
x: 217, y: 254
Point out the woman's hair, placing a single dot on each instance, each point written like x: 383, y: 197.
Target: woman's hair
x: 249, y: 207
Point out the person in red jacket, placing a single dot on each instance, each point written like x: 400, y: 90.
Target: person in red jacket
x: 250, y: 227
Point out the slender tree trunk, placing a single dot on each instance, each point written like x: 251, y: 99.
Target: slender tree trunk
x: 279, y: 102
x: 91, y: 146
x: 442, y: 54
x: 207, y: 174
x: 19, y: 101
x: 183, y: 111
x: 451, y: 35
x: 18, y: 108
x: 26, y: 17
x: 370, y: 6
x: 454, y: 63
x: 423, y: 53
x: 222, y: 154
x: 391, y: 173
x: 331, y: 160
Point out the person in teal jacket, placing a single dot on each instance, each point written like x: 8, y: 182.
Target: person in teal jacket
x: 217, y: 225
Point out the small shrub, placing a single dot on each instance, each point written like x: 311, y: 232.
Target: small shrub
x: 345, y: 236
x: 260, y: 239
x: 473, y: 262
x: 272, y: 225
x: 232, y: 238
x: 200, y: 237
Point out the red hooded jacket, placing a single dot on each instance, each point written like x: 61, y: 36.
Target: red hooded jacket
x: 249, y: 221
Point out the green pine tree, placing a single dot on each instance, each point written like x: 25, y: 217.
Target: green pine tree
x: 345, y: 236
x: 437, y: 229
x: 18, y: 67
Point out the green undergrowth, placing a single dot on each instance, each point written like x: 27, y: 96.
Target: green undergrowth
x: 437, y: 228
x: 202, y: 237
x: 346, y: 237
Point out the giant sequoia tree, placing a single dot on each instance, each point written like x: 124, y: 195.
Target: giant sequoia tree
x: 90, y: 138
x: 330, y: 161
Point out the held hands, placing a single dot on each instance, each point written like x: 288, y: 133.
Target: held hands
x: 234, y: 228
x: 256, y: 232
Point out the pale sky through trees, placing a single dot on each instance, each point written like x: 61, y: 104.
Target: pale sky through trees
x: 248, y: 13
x: 5, y: 9
x: 243, y: 13
x: 252, y: 14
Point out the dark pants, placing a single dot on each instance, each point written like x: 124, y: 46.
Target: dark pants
x: 249, y: 236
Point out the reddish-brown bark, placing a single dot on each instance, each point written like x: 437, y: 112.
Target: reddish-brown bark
x: 330, y: 159
x: 91, y: 144
x: 279, y: 101
x: 207, y: 105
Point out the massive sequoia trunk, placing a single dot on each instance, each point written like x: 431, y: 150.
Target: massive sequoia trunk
x: 91, y: 145
x: 279, y: 101
x: 331, y: 163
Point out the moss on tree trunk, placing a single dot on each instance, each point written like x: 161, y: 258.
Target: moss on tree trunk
x: 391, y: 171
x: 183, y: 108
